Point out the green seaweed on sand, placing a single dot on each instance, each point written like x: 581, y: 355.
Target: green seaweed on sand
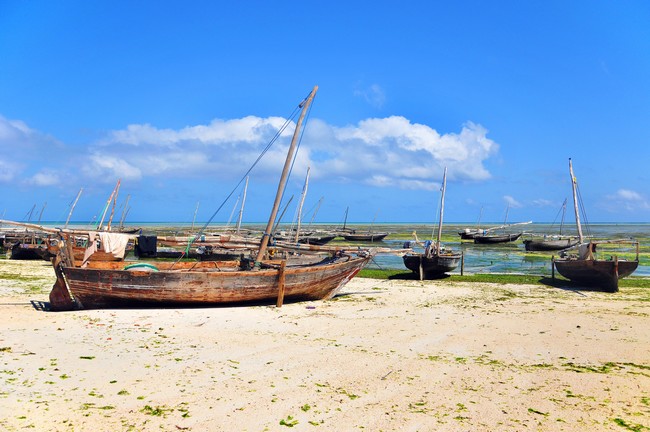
x: 500, y: 278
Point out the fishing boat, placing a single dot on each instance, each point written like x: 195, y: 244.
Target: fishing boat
x: 30, y: 251
x: 263, y: 279
x: 27, y: 245
x: 351, y: 234
x: 490, y: 237
x: 470, y: 233
x: 582, y: 264
x: 496, y: 238
x: 550, y: 242
x: 435, y: 260
x: 365, y: 237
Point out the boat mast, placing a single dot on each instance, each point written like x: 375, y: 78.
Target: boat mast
x: 110, y: 198
x: 563, y: 214
x: 241, y: 209
x: 74, y: 204
x: 195, y: 212
x: 110, y: 219
x: 574, y: 185
x: 302, y: 201
x: 442, y: 210
x: 285, y: 173
x: 41, y: 214
x: 372, y: 225
x: 125, y: 211
x: 320, y: 201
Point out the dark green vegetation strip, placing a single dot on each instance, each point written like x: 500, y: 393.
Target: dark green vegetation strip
x: 636, y: 282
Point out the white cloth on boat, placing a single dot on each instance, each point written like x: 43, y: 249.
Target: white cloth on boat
x: 91, y: 248
x: 114, y: 243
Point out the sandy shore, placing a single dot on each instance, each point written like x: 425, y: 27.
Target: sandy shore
x: 387, y: 356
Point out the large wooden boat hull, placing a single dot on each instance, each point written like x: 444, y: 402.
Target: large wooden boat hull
x: 496, y: 238
x: 549, y: 244
x: 431, y: 267
x: 600, y: 274
x: 206, y: 283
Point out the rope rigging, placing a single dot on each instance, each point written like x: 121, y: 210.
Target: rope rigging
x: 277, y: 135
x: 302, y: 132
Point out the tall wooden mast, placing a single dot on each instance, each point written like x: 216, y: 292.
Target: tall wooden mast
x: 574, y: 184
x: 442, y: 210
x: 285, y: 173
x: 74, y: 204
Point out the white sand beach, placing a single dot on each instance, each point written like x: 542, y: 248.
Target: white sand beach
x: 385, y: 356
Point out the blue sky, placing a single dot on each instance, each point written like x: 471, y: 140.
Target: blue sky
x: 177, y: 99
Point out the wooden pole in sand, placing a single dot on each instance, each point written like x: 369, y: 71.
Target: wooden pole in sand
x: 553, y: 267
x: 462, y: 263
x: 281, y: 279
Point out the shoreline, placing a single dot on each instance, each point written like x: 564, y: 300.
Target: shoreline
x: 385, y: 355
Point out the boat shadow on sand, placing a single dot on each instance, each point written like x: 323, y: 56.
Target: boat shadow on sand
x: 567, y: 285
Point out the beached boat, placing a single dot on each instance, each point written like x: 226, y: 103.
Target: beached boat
x: 30, y: 251
x: 489, y: 236
x: 27, y: 245
x: 496, y: 238
x: 581, y: 263
x: 364, y: 237
x: 550, y: 242
x: 470, y: 233
x: 435, y: 260
x: 351, y: 234
x: 107, y: 284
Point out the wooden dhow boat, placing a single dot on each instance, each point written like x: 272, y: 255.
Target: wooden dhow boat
x: 351, y: 234
x: 107, y: 284
x: 550, y: 242
x: 470, y: 233
x: 435, y: 260
x: 496, y: 238
x: 488, y: 236
x: 581, y: 264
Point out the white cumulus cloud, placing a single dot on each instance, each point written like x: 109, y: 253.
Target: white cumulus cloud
x: 628, y: 200
x: 382, y: 152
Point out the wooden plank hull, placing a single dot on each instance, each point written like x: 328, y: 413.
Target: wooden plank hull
x: 496, y: 238
x: 109, y: 286
x: 549, y: 244
x: 432, y: 267
x: 600, y: 274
